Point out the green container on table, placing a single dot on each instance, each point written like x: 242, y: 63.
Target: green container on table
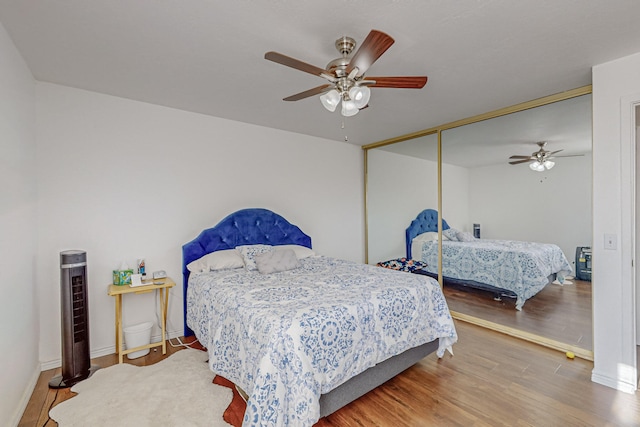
x: 122, y: 277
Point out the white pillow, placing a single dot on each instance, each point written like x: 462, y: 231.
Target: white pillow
x: 249, y: 252
x: 428, y: 237
x: 276, y: 261
x: 218, y: 260
x: 300, y: 251
x: 465, y: 236
x: 451, y: 234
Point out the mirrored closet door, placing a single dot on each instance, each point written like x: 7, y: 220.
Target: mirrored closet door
x: 401, y: 178
x: 506, y: 202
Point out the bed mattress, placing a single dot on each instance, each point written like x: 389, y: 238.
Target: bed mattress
x: 288, y: 337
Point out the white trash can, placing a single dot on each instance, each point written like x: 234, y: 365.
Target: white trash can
x: 137, y: 335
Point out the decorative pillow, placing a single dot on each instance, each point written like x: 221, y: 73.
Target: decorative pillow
x: 249, y: 252
x: 451, y: 234
x: 428, y: 237
x: 300, y: 251
x: 465, y: 236
x: 276, y: 261
x: 218, y: 260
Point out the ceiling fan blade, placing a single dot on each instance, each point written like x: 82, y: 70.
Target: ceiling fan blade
x: 295, y: 63
x: 553, y: 152
x: 521, y: 157
x: 308, y: 93
x: 516, y: 162
x: 370, y: 50
x: 408, y: 82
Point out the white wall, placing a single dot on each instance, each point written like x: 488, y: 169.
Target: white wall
x: 399, y: 188
x: 615, y: 86
x: 456, y: 197
x: 19, y: 315
x: 515, y: 203
x: 637, y: 233
x: 122, y: 180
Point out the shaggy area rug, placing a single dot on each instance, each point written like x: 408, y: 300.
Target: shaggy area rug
x: 177, y: 391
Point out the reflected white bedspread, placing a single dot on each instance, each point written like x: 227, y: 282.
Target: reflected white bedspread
x: 288, y: 337
x: 521, y: 267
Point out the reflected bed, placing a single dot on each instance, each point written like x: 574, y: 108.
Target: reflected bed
x: 506, y: 267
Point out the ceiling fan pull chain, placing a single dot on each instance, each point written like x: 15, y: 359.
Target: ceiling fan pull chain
x: 346, y: 138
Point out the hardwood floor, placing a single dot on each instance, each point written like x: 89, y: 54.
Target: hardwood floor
x: 561, y: 313
x: 44, y: 398
x: 493, y: 380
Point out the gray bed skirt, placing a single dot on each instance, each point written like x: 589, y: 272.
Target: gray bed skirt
x: 373, y: 377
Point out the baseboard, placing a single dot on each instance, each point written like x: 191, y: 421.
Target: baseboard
x: 614, y: 383
x: 105, y: 351
x: 24, y: 399
x: 527, y: 336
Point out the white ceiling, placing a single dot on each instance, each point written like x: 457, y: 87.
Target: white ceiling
x: 563, y: 125
x: 207, y: 56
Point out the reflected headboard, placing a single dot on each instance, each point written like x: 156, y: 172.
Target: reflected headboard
x: 244, y: 227
x: 427, y: 220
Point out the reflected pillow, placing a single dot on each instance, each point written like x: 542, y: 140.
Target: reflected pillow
x: 451, y: 234
x: 218, y: 260
x: 465, y: 236
x: 428, y: 237
x: 300, y: 251
x: 249, y: 253
x: 276, y: 261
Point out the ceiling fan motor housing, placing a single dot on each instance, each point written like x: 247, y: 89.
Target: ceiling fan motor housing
x: 345, y: 45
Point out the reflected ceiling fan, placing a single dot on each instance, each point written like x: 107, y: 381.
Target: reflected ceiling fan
x: 540, y: 160
x: 347, y: 83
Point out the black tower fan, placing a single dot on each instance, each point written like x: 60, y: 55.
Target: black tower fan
x: 74, y: 315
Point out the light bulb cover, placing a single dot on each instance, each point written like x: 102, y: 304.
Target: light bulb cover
x: 549, y: 164
x: 330, y: 100
x: 360, y: 95
x: 536, y: 166
x: 349, y: 108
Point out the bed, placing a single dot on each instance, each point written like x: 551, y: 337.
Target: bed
x: 504, y: 267
x: 306, y: 341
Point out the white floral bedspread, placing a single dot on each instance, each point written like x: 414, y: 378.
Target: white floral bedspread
x: 288, y: 337
x: 521, y: 267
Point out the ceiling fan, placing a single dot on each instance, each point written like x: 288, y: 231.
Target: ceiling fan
x: 539, y: 160
x: 347, y: 82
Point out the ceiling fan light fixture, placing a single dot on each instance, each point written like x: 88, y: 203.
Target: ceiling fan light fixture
x: 349, y: 108
x: 536, y: 166
x: 549, y: 164
x: 330, y: 100
x: 360, y: 95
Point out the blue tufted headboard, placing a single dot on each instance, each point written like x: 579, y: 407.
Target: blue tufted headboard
x: 244, y: 227
x: 427, y: 220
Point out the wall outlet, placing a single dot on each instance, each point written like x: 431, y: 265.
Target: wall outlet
x: 610, y: 242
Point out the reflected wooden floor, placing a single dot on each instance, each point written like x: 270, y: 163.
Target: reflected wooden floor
x: 561, y: 313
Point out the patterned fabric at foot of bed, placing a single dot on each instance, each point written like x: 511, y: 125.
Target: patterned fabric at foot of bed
x: 403, y: 264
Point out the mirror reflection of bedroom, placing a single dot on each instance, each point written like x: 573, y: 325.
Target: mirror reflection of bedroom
x: 529, y: 272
